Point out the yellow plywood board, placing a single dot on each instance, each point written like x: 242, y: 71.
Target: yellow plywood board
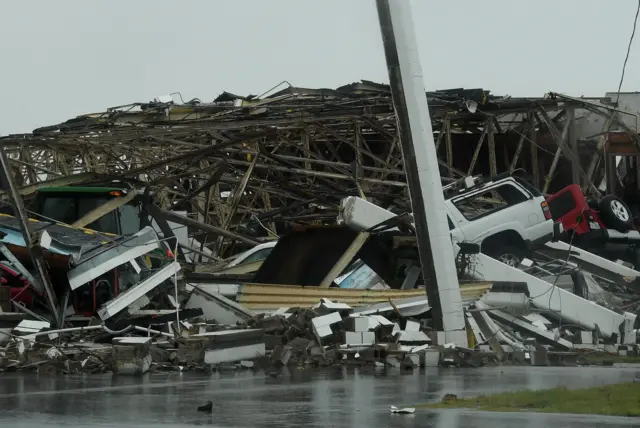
x: 269, y: 296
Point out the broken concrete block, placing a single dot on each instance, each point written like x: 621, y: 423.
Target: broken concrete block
x: 281, y: 355
x: 358, y: 339
x: 190, y: 350
x: 233, y: 345
x: 431, y: 358
x: 540, y: 357
x: 392, y: 361
x: 412, y: 360
x: 322, y: 326
x: 437, y: 337
x: 138, y: 304
x: 131, y: 355
x: 357, y: 324
x: 273, y: 340
x: 412, y: 338
x: 628, y: 333
x: 412, y: 326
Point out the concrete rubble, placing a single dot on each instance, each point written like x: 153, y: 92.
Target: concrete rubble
x: 165, y: 321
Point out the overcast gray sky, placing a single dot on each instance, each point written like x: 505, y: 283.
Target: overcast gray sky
x: 62, y: 58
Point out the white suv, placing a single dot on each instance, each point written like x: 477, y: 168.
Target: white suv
x: 506, y: 215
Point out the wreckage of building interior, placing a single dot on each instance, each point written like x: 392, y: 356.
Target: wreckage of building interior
x: 254, y: 166
x: 249, y: 168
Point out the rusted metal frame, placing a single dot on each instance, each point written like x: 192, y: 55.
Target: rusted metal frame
x: 523, y: 135
x: 186, y: 156
x: 505, y: 157
x: 178, y: 142
x: 304, y: 142
x: 393, y: 153
x: 266, y: 201
x: 273, y: 189
x: 380, y: 129
x: 597, y: 156
x: 238, y: 192
x: 443, y: 131
x: 329, y: 144
x: 314, y: 159
x: 289, y: 167
x: 158, y: 212
x: 164, y: 179
x: 611, y: 115
x: 285, y: 208
x: 33, y: 166
x: 476, y: 153
x: 243, y: 211
x: 491, y: 147
x: 25, y: 157
x: 220, y: 170
x: 572, y: 143
x: 358, y: 163
x: 449, y: 146
x: 351, y: 144
x: 560, y: 142
x: 341, y: 166
x: 535, y: 168
x: 34, y: 250
x: 320, y: 174
x: 207, y: 213
x: 61, y: 163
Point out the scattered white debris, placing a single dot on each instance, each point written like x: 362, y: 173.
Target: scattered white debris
x: 404, y: 410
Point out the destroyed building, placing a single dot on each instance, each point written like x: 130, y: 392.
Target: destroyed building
x: 278, y: 228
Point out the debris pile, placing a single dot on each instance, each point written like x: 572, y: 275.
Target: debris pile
x: 170, y: 266
x: 324, y: 335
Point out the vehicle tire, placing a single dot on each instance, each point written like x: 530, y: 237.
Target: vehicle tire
x: 508, y: 254
x: 615, y: 214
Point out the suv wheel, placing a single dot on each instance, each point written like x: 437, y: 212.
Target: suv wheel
x: 615, y: 213
x: 510, y: 256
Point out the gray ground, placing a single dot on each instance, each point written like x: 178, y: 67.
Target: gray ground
x: 329, y: 398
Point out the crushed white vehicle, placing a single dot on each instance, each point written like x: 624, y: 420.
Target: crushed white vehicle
x: 506, y: 215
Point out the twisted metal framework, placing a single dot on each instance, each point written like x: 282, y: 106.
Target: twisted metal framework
x: 256, y: 165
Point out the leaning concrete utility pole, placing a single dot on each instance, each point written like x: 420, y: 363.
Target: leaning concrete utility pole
x: 23, y: 218
x: 421, y: 168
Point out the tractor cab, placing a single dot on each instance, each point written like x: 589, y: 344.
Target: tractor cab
x: 70, y: 203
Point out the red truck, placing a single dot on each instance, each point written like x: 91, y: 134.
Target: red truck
x: 593, y: 223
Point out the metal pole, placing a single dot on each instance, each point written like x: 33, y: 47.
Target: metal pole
x: 422, y: 170
x: 23, y: 218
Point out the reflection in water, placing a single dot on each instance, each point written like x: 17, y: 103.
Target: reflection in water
x: 341, y: 397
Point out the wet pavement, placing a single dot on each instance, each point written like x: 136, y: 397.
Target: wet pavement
x: 330, y: 398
